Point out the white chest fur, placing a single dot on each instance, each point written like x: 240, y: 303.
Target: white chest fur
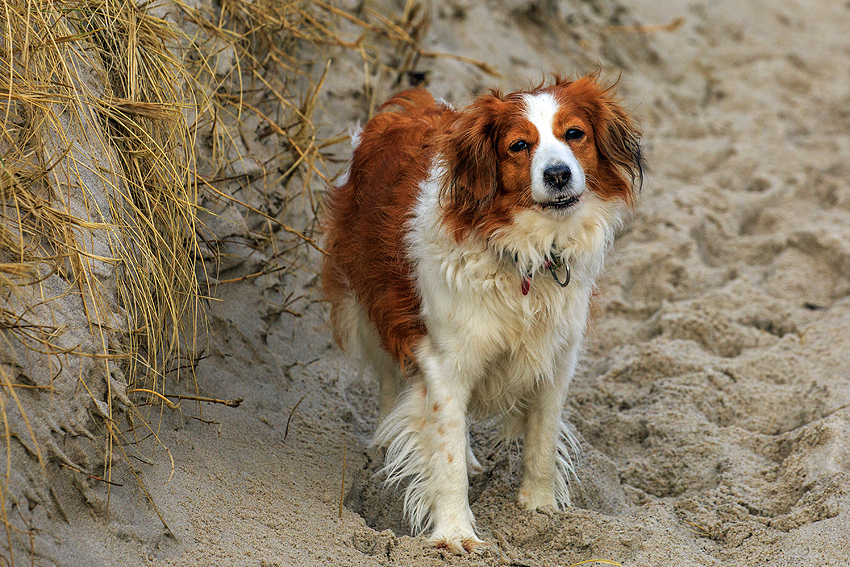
x: 471, y: 299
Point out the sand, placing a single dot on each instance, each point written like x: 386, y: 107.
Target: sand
x: 712, y: 402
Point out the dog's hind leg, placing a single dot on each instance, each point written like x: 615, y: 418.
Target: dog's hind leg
x: 390, y: 377
x: 473, y: 467
x: 359, y: 338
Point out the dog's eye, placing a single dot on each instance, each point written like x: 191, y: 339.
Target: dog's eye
x: 518, y: 146
x: 573, y: 134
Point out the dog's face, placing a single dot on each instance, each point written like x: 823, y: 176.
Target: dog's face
x: 548, y: 150
x: 541, y: 150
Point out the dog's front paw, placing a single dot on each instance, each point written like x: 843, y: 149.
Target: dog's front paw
x: 531, y: 499
x: 459, y: 543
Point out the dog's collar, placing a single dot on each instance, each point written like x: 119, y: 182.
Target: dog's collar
x: 553, y: 263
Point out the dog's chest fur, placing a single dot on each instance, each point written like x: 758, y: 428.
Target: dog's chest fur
x: 471, y: 299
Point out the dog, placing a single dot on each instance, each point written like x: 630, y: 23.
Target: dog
x: 463, y: 248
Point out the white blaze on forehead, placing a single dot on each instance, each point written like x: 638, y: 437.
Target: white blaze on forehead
x: 540, y: 109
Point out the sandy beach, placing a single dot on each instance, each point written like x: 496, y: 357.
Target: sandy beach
x: 712, y: 403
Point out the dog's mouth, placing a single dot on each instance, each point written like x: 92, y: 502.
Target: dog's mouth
x: 561, y: 204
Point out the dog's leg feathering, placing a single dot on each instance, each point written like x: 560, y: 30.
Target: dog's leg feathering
x: 427, y: 444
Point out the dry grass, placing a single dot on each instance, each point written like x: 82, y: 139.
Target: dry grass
x: 97, y: 197
x: 269, y: 92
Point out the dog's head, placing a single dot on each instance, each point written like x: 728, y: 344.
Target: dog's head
x: 543, y: 150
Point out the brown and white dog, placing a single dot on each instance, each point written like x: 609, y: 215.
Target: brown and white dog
x: 463, y: 247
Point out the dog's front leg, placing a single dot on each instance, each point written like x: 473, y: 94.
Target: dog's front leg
x: 427, y: 437
x: 547, y: 444
x: 445, y: 433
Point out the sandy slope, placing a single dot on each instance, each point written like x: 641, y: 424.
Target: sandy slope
x: 713, y: 402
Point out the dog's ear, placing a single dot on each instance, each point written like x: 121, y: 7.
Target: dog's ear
x: 618, y: 144
x: 620, y: 170
x: 469, y: 150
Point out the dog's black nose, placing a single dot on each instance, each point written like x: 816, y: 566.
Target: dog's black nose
x: 557, y: 176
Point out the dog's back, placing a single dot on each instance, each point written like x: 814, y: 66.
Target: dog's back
x: 365, y: 222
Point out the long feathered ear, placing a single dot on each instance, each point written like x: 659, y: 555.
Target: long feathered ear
x: 470, y: 153
x: 619, y: 145
x: 620, y: 172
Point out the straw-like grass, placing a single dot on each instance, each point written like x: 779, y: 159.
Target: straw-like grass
x: 281, y: 53
x: 97, y: 197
